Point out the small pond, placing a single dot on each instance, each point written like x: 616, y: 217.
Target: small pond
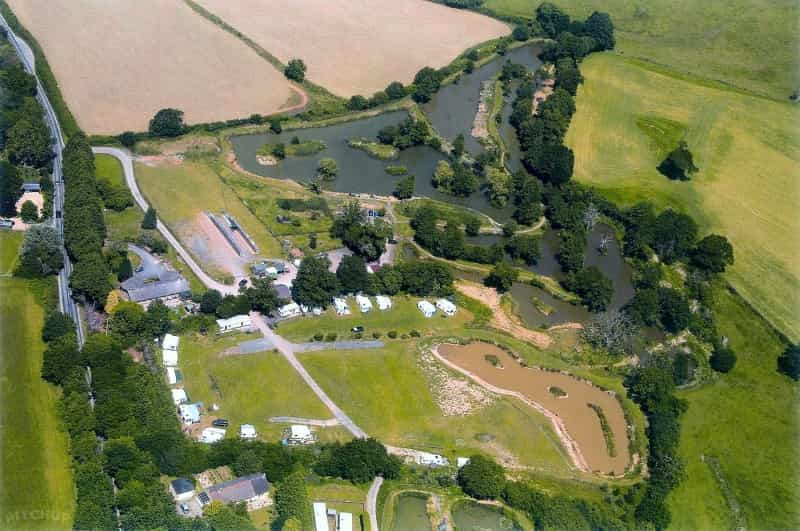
x: 452, y: 110
x: 411, y: 513
x: 565, y: 396
x: 471, y: 516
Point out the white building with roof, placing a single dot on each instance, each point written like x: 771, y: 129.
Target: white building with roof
x: 341, y: 307
x: 426, y: 308
x: 384, y: 302
x: 299, y: 434
x: 172, y: 378
x: 237, y: 322
x: 461, y: 461
x: 211, y: 435
x: 344, y: 522
x: 169, y: 358
x: 179, y: 396
x: 189, y: 413
x: 170, y: 342
x: 320, y: 517
x: 364, y: 304
x: 247, y: 431
x: 447, y: 307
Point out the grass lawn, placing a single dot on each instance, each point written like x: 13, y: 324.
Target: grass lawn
x: 403, y: 318
x: 181, y: 192
x: 249, y: 388
x: 746, y: 148
x: 386, y: 393
x: 36, y: 490
x: 748, y: 420
x: 344, y: 497
x: 108, y: 167
x: 10, y: 243
x: 749, y: 43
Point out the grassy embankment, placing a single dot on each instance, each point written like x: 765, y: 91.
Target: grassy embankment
x: 748, y: 422
x: 386, y: 392
x: 629, y: 117
x: 36, y: 490
x: 751, y: 44
x: 249, y: 388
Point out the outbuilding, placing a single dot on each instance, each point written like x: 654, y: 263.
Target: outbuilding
x: 247, y: 431
x: 447, y: 307
x: 181, y: 489
x: 344, y: 522
x: 364, y: 304
x: 426, y: 308
x: 237, y: 322
x: 299, y: 434
x: 170, y: 342
x: 246, y: 489
x: 384, y: 302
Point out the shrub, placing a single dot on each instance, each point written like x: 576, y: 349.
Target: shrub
x: 332, y: 336
x: 167, y: 122
x: 392, y: 334
x: 318, y: 336
x: 295, y: 70
x: 150, y: 220
x: 56, y: 325
x: 481, y: 478
x: 414, y: 333
x: 376, y: 335
x: 789, y: 362
x: 29, y: 212
x: 722, y: 359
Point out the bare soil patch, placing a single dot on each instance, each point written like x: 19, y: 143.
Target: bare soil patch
x: 207, y: 244
x: 119, y: 61
x: 500, y: 318
x: 358, y: 46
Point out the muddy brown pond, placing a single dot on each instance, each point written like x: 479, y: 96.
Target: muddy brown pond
x: 565, y: 396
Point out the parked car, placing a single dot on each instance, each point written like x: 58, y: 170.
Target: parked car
x: 184, y: 508
x: 139, y: 268
x: 220, y: 423
x: 357, y: 329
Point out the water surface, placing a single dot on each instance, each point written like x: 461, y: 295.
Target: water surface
x: 470, y: 516
x: 411, y: 513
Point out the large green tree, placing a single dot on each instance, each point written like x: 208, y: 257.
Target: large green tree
x: 352, y: 274
x: 167, y: 122
x: 10, y: 189
x: 41, y: 252
x: 482, y: 478
x: 315, y: 285
x: 713, y: 254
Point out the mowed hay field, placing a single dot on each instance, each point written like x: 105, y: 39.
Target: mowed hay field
x: 118, y: 62
x: 36, y: 490
x: 749, y: 43
x: 358, y: 46
x: 747, y: 149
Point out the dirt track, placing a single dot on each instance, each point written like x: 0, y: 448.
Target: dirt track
x: 358, y: 46
x: 119, y: 61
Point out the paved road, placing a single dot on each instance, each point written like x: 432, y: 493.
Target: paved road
x: 372, y: 502
x: 66, y: 302
x: 302, y: 420
x: 130, y: 178
x: 151, y: 266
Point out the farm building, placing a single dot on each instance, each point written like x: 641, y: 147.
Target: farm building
x: 447, y: 307
x: 341, y: 307
x: 364, y: 304
x: 243, y: 489
x: 169, y: 358
x: 212, y: 435
x: 289, y: 310
x: 169, y: 287
x: 189, y: 413
x: 170, y: 342
x: 31, y: 187
x: 426, y: 308
x: 237, y: 322
x: 179, y: 396
x: 174, y: 375
x: 247, y: 431
x: 344, y: 522
x: 299, y: 434
x: 181, y: 489
x: 384, y: 302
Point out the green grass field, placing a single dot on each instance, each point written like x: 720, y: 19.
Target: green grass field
x: 386, y: 393
x: 10, y: 243
x: 629, y: 117
x: 403, y: 318
x: 182, y: 192
x: 748, y: 420
x: 248, y: 388
x: 344, y: 497
x: 749, y: 43
x: 36, y: 490
x: 108, y: 167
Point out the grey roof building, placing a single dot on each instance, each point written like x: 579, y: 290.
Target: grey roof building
x: 283, y: 291
x: 237, y: 490
x: 170, y: 283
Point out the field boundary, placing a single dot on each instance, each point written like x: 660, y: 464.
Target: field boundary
x: 69, y: 124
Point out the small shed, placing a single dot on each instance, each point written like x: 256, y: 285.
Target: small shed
x: 237, y: 322
x: 170, y: 342
x: 364, y: 304
x: 179, y: 396
x: 247, y: 431
x: 169, y: 358
x: 384, y: 302
x: 447, y: 307
x: 426, y: 308
x: 181, y: 489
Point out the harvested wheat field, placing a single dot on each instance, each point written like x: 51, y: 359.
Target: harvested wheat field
x: 118, y: 62
x: 358, y: 46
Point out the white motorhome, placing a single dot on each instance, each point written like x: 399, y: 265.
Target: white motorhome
x: 426, y: 308
x: 364, y: 304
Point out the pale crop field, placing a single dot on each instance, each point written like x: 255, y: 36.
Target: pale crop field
x: 358, y: 46
x: 118, y: 62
